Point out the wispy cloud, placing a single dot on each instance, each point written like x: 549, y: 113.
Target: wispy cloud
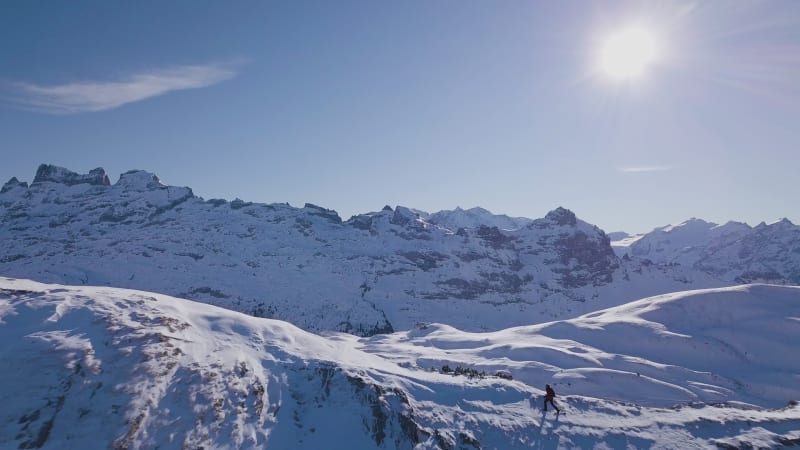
x: 89, y: 96
x: 644, y: 169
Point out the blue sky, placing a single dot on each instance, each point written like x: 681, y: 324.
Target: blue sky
x: 426, y: 104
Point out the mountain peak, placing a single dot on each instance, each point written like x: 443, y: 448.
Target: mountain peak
x: 779, y: 225
x: 693, y: 223
x: 55, y: 174
x: 479, y: 210
x: 139, y: 180
x: 734, y: 223
x: 326, y: 213
x: 474, y: 218
x: 11, y: 184
x: 403, y: 216
x: 783, y: 222
x: 562, y: 216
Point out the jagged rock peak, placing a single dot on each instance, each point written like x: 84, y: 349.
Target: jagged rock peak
x: 11, y: 184
x: 695, y: 220
x: 387, y: 208
x: 775, y: 224
x: 784, y: 222
x: 55, y: 174
x: 318, y: 208
x: 329, y: 214
x: 139, y: 180
x: 780, y: 225
x: 562, y: 216
x: 403, y: 216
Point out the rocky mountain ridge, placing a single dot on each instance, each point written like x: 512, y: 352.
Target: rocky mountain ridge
x: 733, y: 251
x: 373, y: 273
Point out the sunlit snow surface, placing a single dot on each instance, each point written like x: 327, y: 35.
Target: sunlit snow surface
x: 98, y: 367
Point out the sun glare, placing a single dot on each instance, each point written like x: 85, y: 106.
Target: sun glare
x: 626, y: 54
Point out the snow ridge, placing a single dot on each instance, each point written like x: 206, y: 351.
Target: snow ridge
x: 99, y: 367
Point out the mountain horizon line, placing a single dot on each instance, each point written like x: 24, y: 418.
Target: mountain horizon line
x: 98, y: 176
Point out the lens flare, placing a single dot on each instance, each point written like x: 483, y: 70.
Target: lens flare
x: 626, y: 54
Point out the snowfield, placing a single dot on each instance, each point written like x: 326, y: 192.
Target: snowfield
x: 101, y: 367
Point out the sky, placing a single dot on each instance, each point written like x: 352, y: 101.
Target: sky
x: 427, y: 104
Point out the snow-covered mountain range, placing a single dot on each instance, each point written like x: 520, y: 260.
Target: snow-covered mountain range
x: 100, y: 367
x: 734, y: 251
x: 376, y: 272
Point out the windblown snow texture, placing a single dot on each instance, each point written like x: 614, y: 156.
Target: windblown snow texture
x: 99, y: 367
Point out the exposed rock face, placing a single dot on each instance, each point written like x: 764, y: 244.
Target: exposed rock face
x: 55, y: 174
x: 581, y: 253
x: 328, y: 214
x: 403, y: 216
x: 561, y: 216
x: 139, y: 180
x: 586, y: 260
x: 493, y: 237
x: 11, y: 184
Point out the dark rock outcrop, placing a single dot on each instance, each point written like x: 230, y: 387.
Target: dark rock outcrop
x: 328, y: 214
x: 55, y: 174
x: 11, y: 184
x: 403, y: 216
x: 562, y: 216
x: 139, y: 180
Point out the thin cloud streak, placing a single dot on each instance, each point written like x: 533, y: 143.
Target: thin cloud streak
x: 645, y: 169
x: 92, y: 96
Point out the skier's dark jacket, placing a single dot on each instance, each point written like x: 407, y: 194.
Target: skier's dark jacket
x: 550, y: 392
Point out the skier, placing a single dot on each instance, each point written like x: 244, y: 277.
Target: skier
x: 549, y: 396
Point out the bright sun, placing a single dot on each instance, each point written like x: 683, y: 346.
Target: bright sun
x: 626, y: 54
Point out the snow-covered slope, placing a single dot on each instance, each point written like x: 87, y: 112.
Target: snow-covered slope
x: 377, y: 272
x: 680, y: 243
x: 732, y: 252
x: 98, y: 367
